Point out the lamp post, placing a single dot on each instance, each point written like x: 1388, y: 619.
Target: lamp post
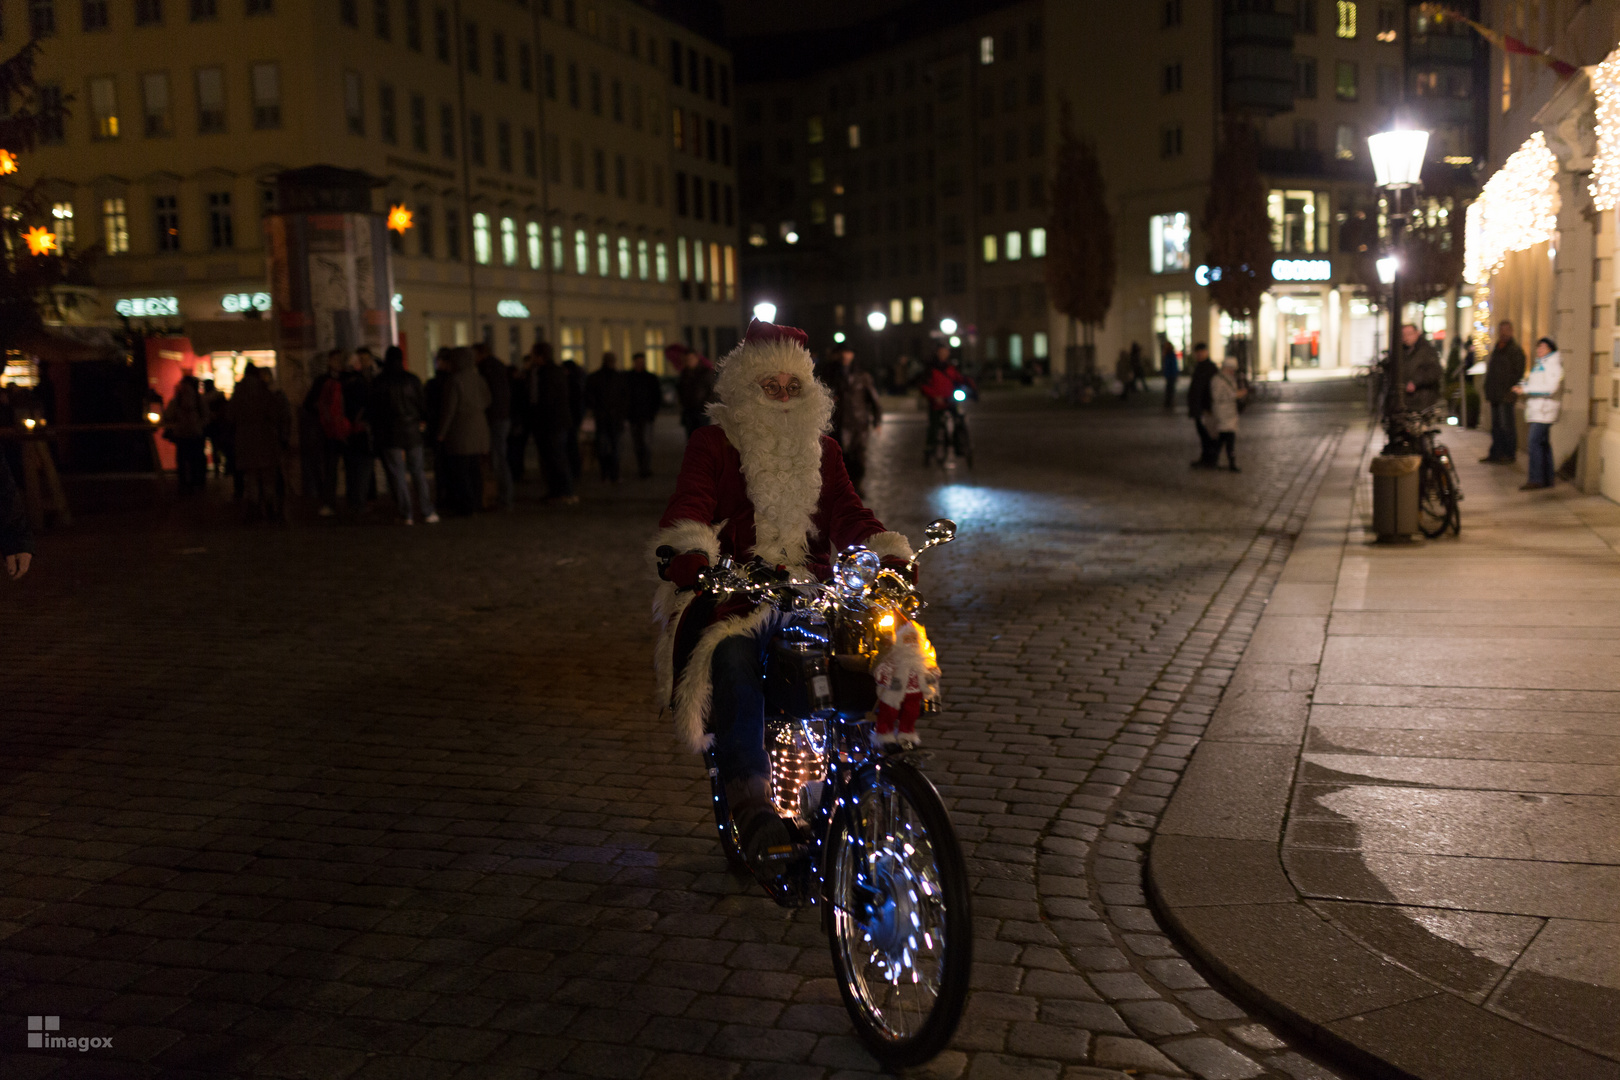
x: 877, y: 321
x: 765, y: 311
x: 1397, y: 158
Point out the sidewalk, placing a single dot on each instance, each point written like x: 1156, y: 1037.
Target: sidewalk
x: 1401, y: 832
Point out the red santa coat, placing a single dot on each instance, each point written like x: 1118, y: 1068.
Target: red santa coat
x: 711, y: 512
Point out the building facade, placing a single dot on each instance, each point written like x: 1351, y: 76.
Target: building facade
x: 906, y: 178
x: 1314, y: 78
x: 535, y: 143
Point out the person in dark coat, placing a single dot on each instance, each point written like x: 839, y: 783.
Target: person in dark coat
x: 1421, y: 370
x: 432, y: 410
x: 575, y: 376
x: 1503, y: 371
x: 499, y: 379
x: 694, y: 389
x: 644, y: 396
x: 359, y: 475
x: 398, y: 417
x: 16, y: 539
x: 464, y: 432
x: 542, y: 388
x: 1199, y: 402
x: 1170, y: 368
x: 856, y: 408
x: 606, y: 398
x: 319, y: 435
x: 261, y: 419
x: 185, y: 419
x: 1138, y: 367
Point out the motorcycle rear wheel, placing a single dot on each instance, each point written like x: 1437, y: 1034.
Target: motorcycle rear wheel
x: 900, y: 919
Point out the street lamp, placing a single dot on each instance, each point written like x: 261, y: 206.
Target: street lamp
x: 1397, y: 158
x: 877, y: 321
x: 765, y: 311
x: 947, y: 326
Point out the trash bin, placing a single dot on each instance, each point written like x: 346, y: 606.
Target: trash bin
x: 1395, y: 496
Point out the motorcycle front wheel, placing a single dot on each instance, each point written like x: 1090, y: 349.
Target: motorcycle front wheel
x: 900, y: 922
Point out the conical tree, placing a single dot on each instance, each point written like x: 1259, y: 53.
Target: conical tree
x: 1081, y: 258
x: 1238, y: 231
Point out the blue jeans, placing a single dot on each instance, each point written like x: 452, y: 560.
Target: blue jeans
x: 1504, y: 432
x: 401, y: 459
x: 1541, y: 456
x: 737, y: 709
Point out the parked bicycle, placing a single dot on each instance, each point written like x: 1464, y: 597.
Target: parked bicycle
x: 1439, y: 490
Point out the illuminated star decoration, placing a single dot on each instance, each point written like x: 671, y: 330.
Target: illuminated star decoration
x: 8, y: 163
x: 41, y: 241
x: 399, y: 218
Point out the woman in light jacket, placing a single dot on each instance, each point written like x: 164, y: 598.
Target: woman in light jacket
x: 1224, y: 395
x: 1542, y: 390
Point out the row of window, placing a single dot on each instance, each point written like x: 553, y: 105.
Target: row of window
x: 1299, y: 226
x: 1010, y: 248
x: 157, y: 101
x: 96, y: 16
x: 220, y: 223
x: 1033, y: 36
x: 690, y: 201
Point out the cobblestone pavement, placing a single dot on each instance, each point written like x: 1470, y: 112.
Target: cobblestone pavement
x: 358, y: 801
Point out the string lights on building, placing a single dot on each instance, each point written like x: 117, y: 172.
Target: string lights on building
x: 1517, y: 209
x: 1606, y: 162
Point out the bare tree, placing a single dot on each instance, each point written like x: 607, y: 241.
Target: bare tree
x: 1238, y: 230
x: 1081, y: 259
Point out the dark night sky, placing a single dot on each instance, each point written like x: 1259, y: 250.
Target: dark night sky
x: 750, y: 18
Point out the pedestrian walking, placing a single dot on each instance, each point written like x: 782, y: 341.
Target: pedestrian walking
x: 16, y: 539
x: 1421, y: 370
x: 644, y: 396
x: 575, y: 378
x: 185, y: 421
x: 856, y: 407
x: 694, y: 389
x: 359, y: 472
x: 218, y: 432
x: 499, y: 380
x: 607, y: 400
x: 1543, y: 390
x: 1503, y: 371
x: 1204, y: 372
x: 398, y: 418
x: 1224, y: 395
x: 464, y: 433
x: 1170, y: 368
x: 1138, y: 367
x: 261, y: 418
x: 543, y: 398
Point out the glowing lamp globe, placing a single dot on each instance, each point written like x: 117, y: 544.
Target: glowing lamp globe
x: 877, y: 320
x: 765, y: 311
x: 1388, y: 266
x: 947, y: 326
x: 1398, y: 157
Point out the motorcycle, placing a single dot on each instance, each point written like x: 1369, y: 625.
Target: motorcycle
x: 874, y: 846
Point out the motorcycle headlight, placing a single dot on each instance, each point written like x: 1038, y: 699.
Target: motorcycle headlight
x: 856, y: 570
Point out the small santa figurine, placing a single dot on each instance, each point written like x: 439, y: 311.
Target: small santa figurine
x: 906, y: 676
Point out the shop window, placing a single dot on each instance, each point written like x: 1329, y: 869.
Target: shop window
x: 481, y: 239
x: 1299, y: 221
x: 1172, y: 318
x: 1170, y: 240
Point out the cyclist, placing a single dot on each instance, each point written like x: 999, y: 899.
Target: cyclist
x: 939, y: 383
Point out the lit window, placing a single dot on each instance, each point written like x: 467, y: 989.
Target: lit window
x: 1015, y: 246
x: 1169, y: 239
x: 682, y: 272
x: 104, y: 108
x: 1347, y: 82
x: 1344, y: 143
x: 509, y: 243
x: 917, y: 309
x: 582, y: 252
x: 1299, y: 221
x: 990, y: 247
x: 838, y: 227
x: 1037, y: 243
x: 62, y: 212
x: 661, y: 262
x: 1347, y: 18
x: 643, y: 267
x: 624, y: 257
x: 854, y: 136
x: 535, y: 252
x: 817, y: 132
x: 987, y: 49
x: 897, y: 312
x: 604, y: 256
x: 481, y: 251
x: 1039, y: 342
x: 731, y: 272
x: 697, y: 261
x: 558, y: 259
x: 1015, y: 350
x: 114, y: 226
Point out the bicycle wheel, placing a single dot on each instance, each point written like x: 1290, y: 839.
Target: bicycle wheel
x: 1435, y: 504
x: 900, y: 922
x: 964, y: 443
x: 722, y: 818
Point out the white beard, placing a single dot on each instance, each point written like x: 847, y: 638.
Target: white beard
x: 780, y: 447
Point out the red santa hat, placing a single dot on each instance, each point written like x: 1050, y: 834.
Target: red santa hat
x: 765, y: 350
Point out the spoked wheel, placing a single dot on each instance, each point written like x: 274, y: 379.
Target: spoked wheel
x: 1437, y: 503
x: 900, y: 920
x: 964, y: 443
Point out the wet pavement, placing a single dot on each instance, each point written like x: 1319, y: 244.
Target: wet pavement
x: 353, y: 800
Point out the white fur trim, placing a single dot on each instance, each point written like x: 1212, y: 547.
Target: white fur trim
x: 743, y: 367
x: 686, y: 536
x: 695, y: 691
x: 890, y: 545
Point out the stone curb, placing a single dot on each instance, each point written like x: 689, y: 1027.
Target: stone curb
x: 1215, y: 873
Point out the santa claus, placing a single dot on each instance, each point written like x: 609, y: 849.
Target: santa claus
x: 765, y: 481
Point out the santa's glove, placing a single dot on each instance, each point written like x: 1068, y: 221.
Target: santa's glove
x: 682, y: 571
x: 901, y: 566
